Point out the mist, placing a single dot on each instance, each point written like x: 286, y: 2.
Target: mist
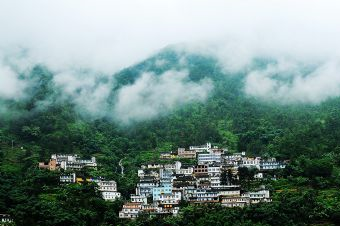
x: 151, y: 95
x: 84, y: 43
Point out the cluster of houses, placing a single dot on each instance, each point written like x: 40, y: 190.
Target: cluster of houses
x: 71, y: 164
x: 214, y: 179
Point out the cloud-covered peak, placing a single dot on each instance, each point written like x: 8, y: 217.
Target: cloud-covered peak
x: 84, y: 43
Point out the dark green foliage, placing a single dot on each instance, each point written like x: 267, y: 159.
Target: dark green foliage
x: 290, y: 208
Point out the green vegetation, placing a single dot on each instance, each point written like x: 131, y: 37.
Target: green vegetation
x: 308, y: 191
x: 299, y: 208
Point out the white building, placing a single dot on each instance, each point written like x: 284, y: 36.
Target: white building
x: 215, y: 181
x: 175, y: 166
x: 251, y: 162
x: 258, y: 196
x: 214, y: 170
x: 73, y: 161
x: 209, y: 158
x: 130, y: 210
x: 68, y: 178
x: 64, y: 157
x: 185, y: 171
x: 139, y: 198
x: 234, y: 201
x: 145, y: 186
x: 235, y: 156
x: 271, y: 164
x: 173, y: 198
x: 148, y: 173
x: 230, y: 192
x: 201, y: 148
x: 108, y: 190
x: 203, y: 196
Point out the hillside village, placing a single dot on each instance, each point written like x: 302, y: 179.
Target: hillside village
x: 213, y: 176
x: 214, y: 179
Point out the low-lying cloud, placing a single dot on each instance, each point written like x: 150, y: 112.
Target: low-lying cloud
x: 152, y: 95
x: 288, y: 82
x: 89, y: 91
x: 11, y: 86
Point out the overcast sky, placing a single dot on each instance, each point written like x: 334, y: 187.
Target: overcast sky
x: 106, y: 36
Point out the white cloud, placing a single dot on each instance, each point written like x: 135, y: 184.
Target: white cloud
x: 88, y: 90
x: 11, y: 87
x: 108, y: 35
x: 152, y: 95
x: 289, y: 83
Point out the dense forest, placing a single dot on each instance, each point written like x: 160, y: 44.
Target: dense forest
x: 43, y: 123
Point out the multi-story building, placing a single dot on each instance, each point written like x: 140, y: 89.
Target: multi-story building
x: 51, y: 165
x: 108, y: 190
x: 166, y: 175
x: 203, y: 181
x: 150, y: 208
x: 215, y: 181
x: 165, y: 189
x: 203, y: 196
x: 68, y: 162
x: 139, y: 198
x: 214, y: 169
x: 188, y: 170
x: 201, y: 148
x: 200, y: 169
x: 145, y: 186
x: 235, y: 156
x: 271, y: 164
x: 130, y: 210
x: 67, y: 178
x: 166, y: 209
x: 78, y: 163
x: 148, y: 173
x: 173, y: 198
x: 186, y: 154
x: 234, y: 201
x: 258, y: 196
x: 226, y: 190
x: 251, y: 162
x: 209, y: 158
x: 184, y: 181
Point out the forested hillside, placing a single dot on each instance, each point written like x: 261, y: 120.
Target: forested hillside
x: 43, y: 123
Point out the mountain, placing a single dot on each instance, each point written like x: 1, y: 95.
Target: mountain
x: 227, y: 117
x: 47, y: 121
